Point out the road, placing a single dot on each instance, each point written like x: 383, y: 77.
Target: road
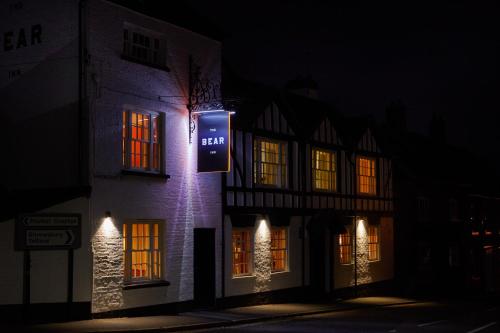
x: 467, y: 317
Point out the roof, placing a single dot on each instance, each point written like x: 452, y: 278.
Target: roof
x: 429, y: 162
x: 174, y: 12
x: 304, y: 114
x: 17, y: 202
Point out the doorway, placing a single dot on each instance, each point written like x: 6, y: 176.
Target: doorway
x: 204, y: 267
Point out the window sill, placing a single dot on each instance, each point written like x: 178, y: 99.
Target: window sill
x: 145, y: 284
x: 279, y: 272
x: 237, y: 277
x: 136, y: 61
x: 127, y: 172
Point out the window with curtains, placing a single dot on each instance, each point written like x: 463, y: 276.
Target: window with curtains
x: 242, y: 252
x: 367, y: 179
x: 345, y: 247
x: 142, y: 251
x: 270, y: 162
x: 279, y: 249
x: 141, y: 140
x: 373, y: 242
x: 324, y: 170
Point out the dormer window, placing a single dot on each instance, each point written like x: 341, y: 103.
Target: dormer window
x: 324, y: 170
x: 270, y: 162
x: 367, y: 176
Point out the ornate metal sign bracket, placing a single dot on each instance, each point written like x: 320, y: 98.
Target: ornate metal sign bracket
x: 204, y: 95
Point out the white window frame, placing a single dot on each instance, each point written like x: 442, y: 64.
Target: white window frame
x: 287, y: 249
x: 332, y: 186
x: 250, y: 258
x: 282, y: 165
x: 350, y: 232
x: 126, y: 149
x: 379, y: 240
x: 127, y: 251
x: 157, y: 43
x: 374, y: 177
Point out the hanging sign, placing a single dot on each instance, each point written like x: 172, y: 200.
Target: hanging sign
x: 213, y: 141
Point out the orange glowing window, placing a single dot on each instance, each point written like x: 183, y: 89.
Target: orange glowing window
x: 373, y: 243
x: 279, y: 249
x: 142, y: 251
x: 242, y: 252
x: 141, y: 141
x: 345, y: 248
x: 270, y: 162
x: 367, y: 179
x: 324, y: 170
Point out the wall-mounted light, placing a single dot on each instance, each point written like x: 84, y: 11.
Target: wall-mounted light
x: 108, y: 228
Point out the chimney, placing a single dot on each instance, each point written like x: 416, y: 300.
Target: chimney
x: 437, y: 129
x: 395, y: 116
x: 303, y: 86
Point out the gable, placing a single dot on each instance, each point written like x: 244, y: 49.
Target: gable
x: 326, y: 133
x: 368, y: 142
x: 272, y: 120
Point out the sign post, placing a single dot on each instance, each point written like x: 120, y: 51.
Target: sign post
x: 214, y: 128
x: 47, y: 232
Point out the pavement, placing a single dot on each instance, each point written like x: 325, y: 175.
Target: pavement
x: 205, y: 319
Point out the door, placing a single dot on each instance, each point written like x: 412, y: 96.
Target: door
x: 318, y: 254
x: 204, y: 267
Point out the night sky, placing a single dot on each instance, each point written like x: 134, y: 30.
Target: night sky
x: 440, y: 56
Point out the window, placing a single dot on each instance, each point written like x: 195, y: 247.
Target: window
x: 345, y: 248
x: 279, y: 249
x: 423, y: 209
x: 141, y: 140
x: 142, y: 251
x: 270, y: 163
x: 242, y: 253
x: 367, y: 179
x: 324, y: 170
x: 143, y: 46
x: 453, y: 204
x: 373, y: 243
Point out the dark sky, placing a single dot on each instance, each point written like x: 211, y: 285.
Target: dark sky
x: 439, y: 56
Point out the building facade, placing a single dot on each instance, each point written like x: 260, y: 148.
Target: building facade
x: 102, y: 91
x: 303, y: 208
x: 107, y: 213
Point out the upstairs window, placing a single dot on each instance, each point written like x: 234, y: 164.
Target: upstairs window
x: 142, y: 251
x: 373, y: 242
x: 324, y: 170
x: 242, y: 252
x: 270, y: 162
x: 345, y: 247
x: 367, y: 179
x: 141, y: 141
x: 279, y: 249
x: 423, y: 209
x: 143, y: 46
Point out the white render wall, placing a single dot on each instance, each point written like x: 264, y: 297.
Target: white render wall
x: 48, y: 268
x: 368, y: 272
x: 39, y: 94
x: 262, y: 279
x: 186, y: 200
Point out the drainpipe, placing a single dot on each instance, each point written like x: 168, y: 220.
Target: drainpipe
x: 82, y: 148
x: 355, y: 198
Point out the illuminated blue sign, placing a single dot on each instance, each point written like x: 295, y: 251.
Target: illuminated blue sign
x: 213, y: 141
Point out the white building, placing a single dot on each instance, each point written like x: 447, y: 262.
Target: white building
x: 95, y: 106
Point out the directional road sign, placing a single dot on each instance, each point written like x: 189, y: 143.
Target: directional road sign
x: 48, y: 232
